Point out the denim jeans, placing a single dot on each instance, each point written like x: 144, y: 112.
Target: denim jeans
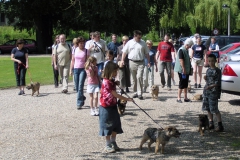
x: 79, y: 78
x: 100, y: 68
x: 20, y: 73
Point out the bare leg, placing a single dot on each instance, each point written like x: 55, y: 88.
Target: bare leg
x: 200, y: 73
x: 179, y: 94
x: 96, y: 99
x: 91, y: 100
x: 219, y: 118
x: 185, y: 93
x: 194, y: 72
x: 210, y: 116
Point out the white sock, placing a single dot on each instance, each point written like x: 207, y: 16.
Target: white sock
x: 113, y: 139
x: 108, y: 142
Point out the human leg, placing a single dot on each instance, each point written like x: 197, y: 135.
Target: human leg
x: 145, y: 78
x: 65, y: 77
x: 79, y: 80
x: 169, y: 68
x: 133, y: 71
x: 194, y: 66
x: 151, y: 77
x: 161, y: 71
x: 140, y: 69
x: 200, y: 75
x: 113, y: 141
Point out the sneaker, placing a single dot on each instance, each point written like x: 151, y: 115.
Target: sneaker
x: 20, y: 93
x: 173, y: 82
x: 64, y: 91
x: 140, y: 97
x: 135, y: 96
x: 23, y: 92
x: 109, y: 149
x: 127, y: 90
x: 219, y: 129
x: 163, y: 86
x: 211, y: 126
x: 169, y: 89
x: 179, y: 101
x: 92, y: 112
x: 79, y: 107
x: 199, y: 86
x: 195, y: 85
x: 96, y: 111
x: 115, y: 147
x: 187, y: 100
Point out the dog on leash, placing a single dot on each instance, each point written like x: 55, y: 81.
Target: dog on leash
x: 203, y: 123
x: 35, y: 87
x: 154, y: 92
x: 121, y: 105
x: 197, y: 97
x: 189, y: 88
x: 159, y: 136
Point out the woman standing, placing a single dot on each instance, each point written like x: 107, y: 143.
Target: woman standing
x: 183, y: 67
x: 124, y: 72
x: 20, y: 57
x: 55, y: 72
x: 79, y: 57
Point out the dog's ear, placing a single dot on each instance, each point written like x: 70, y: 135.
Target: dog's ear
x: 170, y: 128
x: 31, y: 84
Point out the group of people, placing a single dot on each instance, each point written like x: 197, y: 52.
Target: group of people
x: 106, y: 66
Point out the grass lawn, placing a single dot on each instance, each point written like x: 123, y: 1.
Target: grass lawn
x: 39, y: 67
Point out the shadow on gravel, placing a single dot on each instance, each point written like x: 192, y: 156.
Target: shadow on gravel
x: 191, y: 143
x: 235, y: 102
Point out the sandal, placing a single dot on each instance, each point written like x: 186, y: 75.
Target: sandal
x: 187, y: 100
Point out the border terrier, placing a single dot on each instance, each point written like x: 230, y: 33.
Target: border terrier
x: 121, y: 106
x: 35, y: 87
x: 159, y: 136
x: 197, y: 97
x: 189, y: 88
x: 154, y: 92
x: 203, y: 123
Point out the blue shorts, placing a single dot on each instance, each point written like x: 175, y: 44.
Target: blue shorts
x: 109, y: 121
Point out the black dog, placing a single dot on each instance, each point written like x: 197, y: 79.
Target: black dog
x: 203, y: 123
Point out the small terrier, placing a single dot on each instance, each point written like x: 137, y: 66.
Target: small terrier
x: 121, y: 106
x: 189, y: 88
x: 35, y: 87
x: 203, y: 123
x: 159, y: 136
x: 197, y: 97
x: 154, y: 92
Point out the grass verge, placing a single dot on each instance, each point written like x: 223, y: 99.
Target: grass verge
x: 40, y: 70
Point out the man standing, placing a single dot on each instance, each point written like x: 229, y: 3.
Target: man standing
x: 113, y: 45
x: 62, y: 59
x: 167, y: 54
x: 137, y: 50
x: 97, y: 48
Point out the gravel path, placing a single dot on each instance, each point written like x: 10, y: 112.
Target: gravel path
x: 50, y: 127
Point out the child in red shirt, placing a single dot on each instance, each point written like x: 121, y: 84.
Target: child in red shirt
x: 109, y: 119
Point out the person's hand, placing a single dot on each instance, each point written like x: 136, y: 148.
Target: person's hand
x: 205, y: 77
x: 184, y: 72
x: 117, y: 83
x: 130, y: 99
x: 52, y: 64
x: 26, y: 66
x: 149, y: 65
x: 19, y: 62
x: 70, y: 73
x: 122, y: 63
x: 156, y: 69
x: 55, y: 67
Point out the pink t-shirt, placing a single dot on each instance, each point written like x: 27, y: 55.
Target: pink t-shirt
x: 94, y: 78
x: 80, y: 57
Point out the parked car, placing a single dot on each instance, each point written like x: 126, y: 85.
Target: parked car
x: 228, y: 48
x: 227, y: 56
x: 7, y: 47
x: 231, y: 77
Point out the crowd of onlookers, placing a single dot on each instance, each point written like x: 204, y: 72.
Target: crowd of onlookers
x: 106, y: 66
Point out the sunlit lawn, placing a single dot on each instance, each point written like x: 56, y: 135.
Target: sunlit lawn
x: 40, y: 70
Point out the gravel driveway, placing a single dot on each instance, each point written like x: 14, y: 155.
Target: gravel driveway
x: 50, y: 127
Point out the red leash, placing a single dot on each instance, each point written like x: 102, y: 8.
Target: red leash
x: 18, y: 70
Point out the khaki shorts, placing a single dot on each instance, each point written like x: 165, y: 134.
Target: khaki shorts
x: 198, y: 62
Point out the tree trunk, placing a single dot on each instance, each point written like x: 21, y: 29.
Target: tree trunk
x: 44, y: 33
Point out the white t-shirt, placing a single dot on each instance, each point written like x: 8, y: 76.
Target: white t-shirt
x: 136, y: 50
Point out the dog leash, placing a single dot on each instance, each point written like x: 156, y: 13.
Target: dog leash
x: 27, y: 71
x: 122, y: 91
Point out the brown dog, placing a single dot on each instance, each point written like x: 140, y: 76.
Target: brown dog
x: 203, y: 123
x: 159, y: 136
x: 34, y: 86
x: 121, y: 106
x: 154, y: 92
x: 189, y: 88
x: 198, y: 97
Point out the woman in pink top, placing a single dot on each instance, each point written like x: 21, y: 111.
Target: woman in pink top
x: 92, y: 83
x: 79, y: 57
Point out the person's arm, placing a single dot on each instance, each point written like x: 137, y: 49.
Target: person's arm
x: 114, y: 93
x: 181, y: 60
x: 155, y: 62
x: 26, y: 57
x: 14, y: 59
x: 173, y: 56
x: 72, y: 65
